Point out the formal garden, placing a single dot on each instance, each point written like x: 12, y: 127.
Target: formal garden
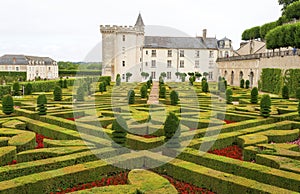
x: 97, y: 135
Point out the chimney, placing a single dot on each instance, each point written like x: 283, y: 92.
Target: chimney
x: 204, y: 33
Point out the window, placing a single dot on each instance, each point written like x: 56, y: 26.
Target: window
x: 153, y: 63
x: 146, y: 64
x: 9, y: 68
x: 169, y: 53
x: 153, y: 53
x: 210, y: 75
x: 197, y: 54
x: 153, y: 75
x: 123, y: 37
x: 197, y: 64
x: 123, y: 50
x: 181, y: 53
x: 123, y: 76
x: 169, y: 75
x: 123, y: 63
x: 146, y: 52
x: 211, y: 54
x: 17, y: 69
x: 181, y: 64
x: 169, y: 63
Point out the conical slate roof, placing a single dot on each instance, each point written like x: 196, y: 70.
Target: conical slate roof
x: 139, y: 21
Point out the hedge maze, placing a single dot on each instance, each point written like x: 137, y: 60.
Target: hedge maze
x: 226, y: 148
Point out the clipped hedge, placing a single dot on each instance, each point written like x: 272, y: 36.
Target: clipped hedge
x: 7, y: 154
x: 79, y: 73
x: 271, y: 80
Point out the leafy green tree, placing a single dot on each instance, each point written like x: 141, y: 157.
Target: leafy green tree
x: 145, y: 75
x: 131, y: 97
x: 143, y: 91
x: 264, y: 29
x: 65, y: 84
x: 162, y: 91
x: 80, y: 94
x: 192, y: 79
x: 285, y: 3
x: 242, y: 83
x: 172, y: 131
x: 205, y: 86
x: 174, y: 97
x: 265, y: 106
x: 41, y: 104
x: 292, y: 11
x: 101, y: 87
x: 183, y: 76
x: 148, y: 84
x: 60, y: 82
x: 16, y: 89
x: 254, y: 95
x: 285, y: 92
x: 118, y: 80
x: 198, y: 75
x: 163, y: 74
x: 7, y: 104
x: 57, y: 93
x: 28, y: 89
x: 229, y: 96
x: 128, y: 75
x: 247, y: 84
x: 119, y: 128
x: 252, y: 33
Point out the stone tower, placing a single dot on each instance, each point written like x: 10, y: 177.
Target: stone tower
x: 122, y: 49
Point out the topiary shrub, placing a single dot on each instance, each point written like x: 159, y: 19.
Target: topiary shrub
x: 298, y: 93
x: 65, y: 84
x: 192, y: 79
x: 143, y: 91
x: 119, y: 128
x: 172, y: 131
x: 118, y: 80
x: 162, y: 91
x: 242, y: 83
x: 7, y: 104
x: 228, y: 94
x: 148, y: 84
x: 60, y: 82
x: 41, y: 104
x: 285, y: 92
x: 16, y: 89
x: 80, y: 94
x: 205, y: 86
x: 57, y: 93
x: 28, y: 89
x: 131, y: 97
x: 174, y: 97
x: 254, y: 95
x: 183, y: 76
x: 101, y: 87
x: 247, y: 84
x: 265, y: 105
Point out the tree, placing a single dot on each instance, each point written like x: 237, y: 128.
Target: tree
x: 41, y: 104
x: 192, y: 79
x: 178, y: 74
x: 148, y: 84
x: 101, y: 87
x: 60, y: 82
x: 174, y: 97
x: 285, y: 3
x: 163, y: 75
x: 143, y: 91
x: 80, y: 94
x: 254, y: 95
x: 57, y: 93
x: 16, y: 89
x: 292, y: 11
x: 172, y: 131
x: 242, y: 83
x: 65, y: 84
x: 119, y: 128
x: 285, y: 92
x: 28, y: 89
x: 183, y: 76
x: 228, y: 94
x: 7, y: 104
x: 265, y: 106
x: 205, y: 86
x: 131, y: 97
x: 247, y: 84
x: 145, y: 75
x: 198, y: 75
x: 162, y: 91
x: 118, y: 80
x: 128, y: 75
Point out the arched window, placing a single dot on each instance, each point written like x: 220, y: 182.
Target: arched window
x: 232, y: 78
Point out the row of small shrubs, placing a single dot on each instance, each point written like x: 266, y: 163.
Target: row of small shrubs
x: 242, y: 84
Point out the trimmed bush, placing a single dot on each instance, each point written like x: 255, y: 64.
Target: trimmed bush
x: 172, y: 131
x: 57, y: 93
x: 80, y: 94
x: 299, y: 108
x: 271, y: 80
x: 192, y: 79
x: 247, y: 84
x: 229, y: 96
x: 16, y: 89
x: 162, y: 91
x: 118, y: 80
x: 60, y: 82
x: 298, y: 93
x: 7, y: 104
x: 41, y: 104
x: 205, y: 86
x: 174, y: 97
x: 143, y: 91
x: 148, y: 84
x: 131, y: 97
x: 4, y: 90
x: 28, y: 89
x: 254, y: 95
x: 285, y: 92
x: 265, y: 105
x: 65, y: 84
x: 242, y: 83
x: 119, y: 128
x: 101, y: 87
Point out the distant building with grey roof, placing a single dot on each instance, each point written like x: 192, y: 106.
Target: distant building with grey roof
x: 126, y: 49
x: 35, y: 67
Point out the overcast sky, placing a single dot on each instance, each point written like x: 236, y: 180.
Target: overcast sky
x: 69, y: 29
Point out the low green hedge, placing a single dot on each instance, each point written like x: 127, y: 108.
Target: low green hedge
x: 23, y: 141
x: 7, y: 154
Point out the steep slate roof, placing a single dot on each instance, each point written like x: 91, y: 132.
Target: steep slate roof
x: 139, y: 21
x: 23, y: 60
x: 180, y: 42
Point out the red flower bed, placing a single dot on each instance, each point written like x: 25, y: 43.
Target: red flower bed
x: 186, y: 188
x: 74, y: 118
x: 119, y: 179
x: 12, y: 162
x: 39, y: 138
x: 232, y: 152
x: 229, y: 122
x: 296, y: 142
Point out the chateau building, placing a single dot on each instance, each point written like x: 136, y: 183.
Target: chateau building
x: 34, y: 67
x: 126, y: 49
